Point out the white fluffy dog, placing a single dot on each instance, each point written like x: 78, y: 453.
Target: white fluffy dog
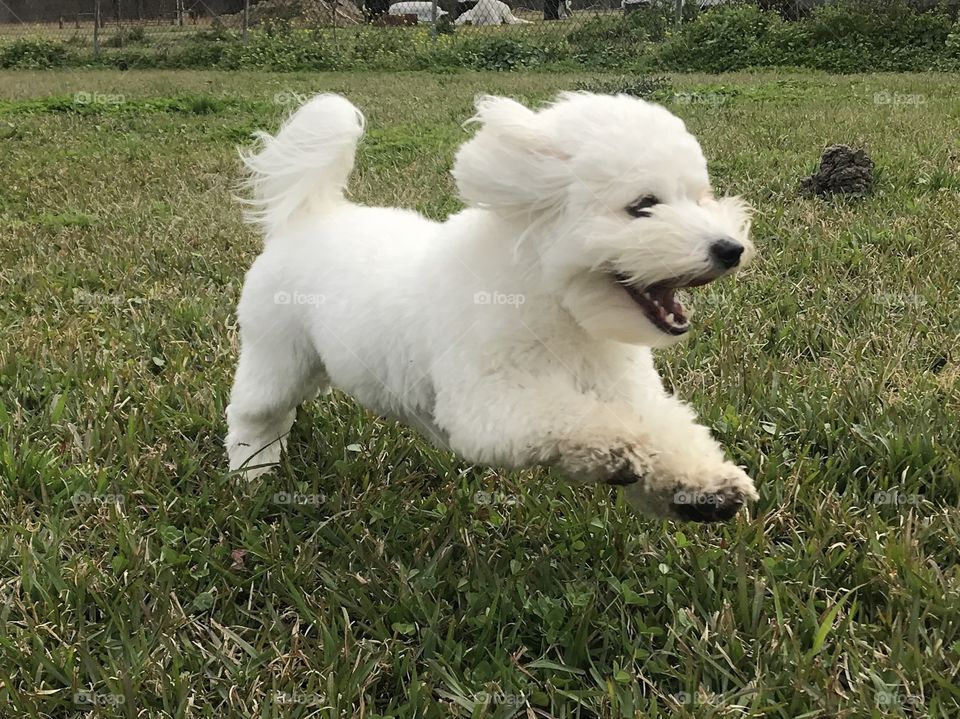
x: 518, y: 331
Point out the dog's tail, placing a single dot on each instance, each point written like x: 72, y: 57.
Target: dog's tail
x: 306, y: 165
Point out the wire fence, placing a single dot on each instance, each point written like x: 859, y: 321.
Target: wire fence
x: 100, y: 27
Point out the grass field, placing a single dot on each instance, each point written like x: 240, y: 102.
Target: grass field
x: 375, y: 576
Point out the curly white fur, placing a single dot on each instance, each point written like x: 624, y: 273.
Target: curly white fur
x: 502, y: 332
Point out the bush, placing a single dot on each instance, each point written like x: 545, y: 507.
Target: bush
x: 33, y: 54
x: 847, y: 36
x: 506, y: 53
x: 377, y: 49
x: 856, y: 36
x: 124, y: 37
x: 217, y: 32
x: 659, y: 18
x: 200, y: 53
x: 722, y: 39
x: 286, y: 51
x: 613, y: 41
x: 787, y: 9
x: 953, y: 42
x: 489, y: 52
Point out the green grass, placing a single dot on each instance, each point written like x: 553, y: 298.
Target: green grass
x: 375, y: 576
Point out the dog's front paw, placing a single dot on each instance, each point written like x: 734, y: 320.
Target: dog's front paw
x: 717, y: 499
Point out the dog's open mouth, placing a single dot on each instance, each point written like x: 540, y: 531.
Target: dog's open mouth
x: 659, y: 302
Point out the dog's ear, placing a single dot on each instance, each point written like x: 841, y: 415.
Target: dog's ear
x: 513, y: 162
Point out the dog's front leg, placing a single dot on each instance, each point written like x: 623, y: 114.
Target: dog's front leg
x: 706, y: 486
x: 519, y: 423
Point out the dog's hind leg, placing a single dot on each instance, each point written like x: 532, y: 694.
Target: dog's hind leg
x: 276, y: 372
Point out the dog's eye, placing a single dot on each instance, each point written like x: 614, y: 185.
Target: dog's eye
x: 641, y: 206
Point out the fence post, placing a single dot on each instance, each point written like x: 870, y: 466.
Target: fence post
x: 679, y: 12
x: 246, y: 20
x: 96, y: 28
x: 433, y: 19
x: 333, y: 10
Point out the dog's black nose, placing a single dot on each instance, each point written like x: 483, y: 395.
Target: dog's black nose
x: 726, y: 253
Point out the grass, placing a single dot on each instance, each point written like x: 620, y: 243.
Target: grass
x: 375, y: 576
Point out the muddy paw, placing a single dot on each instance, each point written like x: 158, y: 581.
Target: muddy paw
x: 713, y: 507
x: 717, y: 501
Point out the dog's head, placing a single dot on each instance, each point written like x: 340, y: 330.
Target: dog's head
x: 613, y: 197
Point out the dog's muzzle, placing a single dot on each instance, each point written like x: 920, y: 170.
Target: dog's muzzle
x: 659, y: 302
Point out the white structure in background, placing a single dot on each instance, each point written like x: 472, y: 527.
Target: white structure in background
x: 490, y: 12
x: 421, y: 8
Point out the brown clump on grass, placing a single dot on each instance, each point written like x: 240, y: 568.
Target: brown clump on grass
x: 842, y: 170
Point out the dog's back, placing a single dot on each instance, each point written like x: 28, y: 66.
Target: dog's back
x: 344, y: 273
